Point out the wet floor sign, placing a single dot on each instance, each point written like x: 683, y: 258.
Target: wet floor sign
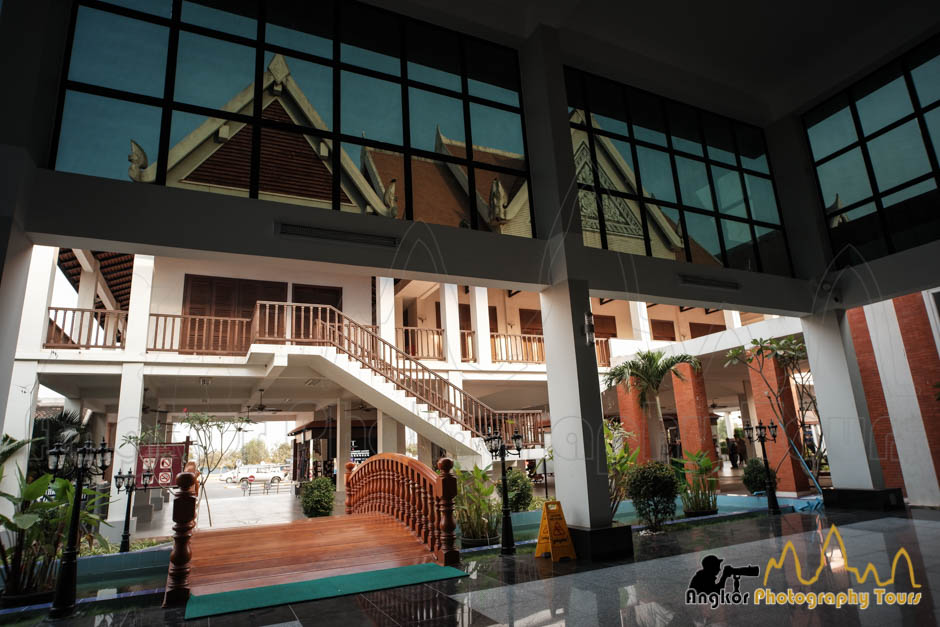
x: 554, y: 538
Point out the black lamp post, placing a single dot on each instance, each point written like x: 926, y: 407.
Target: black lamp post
x: 497, y: 448
x: 128, y: 483
x: 86, y: 459
x: 761, y: 437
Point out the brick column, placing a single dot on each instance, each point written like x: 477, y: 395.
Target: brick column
x: 695, y: 429
x: 790, y: 475
x: 634, y: 421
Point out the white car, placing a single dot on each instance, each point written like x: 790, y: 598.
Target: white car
x: 260, y: 473
x: 228, y: 476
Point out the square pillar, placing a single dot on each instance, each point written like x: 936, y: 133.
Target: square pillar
x: 450, y: 320
x: 791, y: 479
x: 695, y: 429
x: 87, y: 288
x: 385, y: 308
x: 138, y: 314
x: 18, y: 417
x: 34, y: 320
x: 424, y: 451
x: 343, y: 441
x: 633, y: 420
x: 640, y: 322
x: 391, y: 434
x: 480, y: 322
x: 130, y: 401
x: 732, y: 319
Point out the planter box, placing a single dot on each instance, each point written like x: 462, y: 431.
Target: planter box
x: 472, y: 543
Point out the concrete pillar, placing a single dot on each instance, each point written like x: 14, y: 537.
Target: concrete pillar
x: 840, y: 397
x: 130, y: 400
x: 343, y: 441
x: 13, y: 280
x: 633, y: 420
x: 640, y: 322
x: 138, y: 314
x: 34, y: 321
x: 575, y: 403
x: 81, y: 324
x: 791, y: 479
x: 18, y: 423
x: 73, y: 405
x: 480, y: 323
x: 391, y: 434
x: 450, y: 320
x: 424, y: 451
x: 692, y: 412
x: 385, y: 308
x: 745, y: 406
x: 732, y: 319
x: 904, y: 409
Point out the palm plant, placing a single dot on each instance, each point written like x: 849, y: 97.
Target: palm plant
x: 645, y: 374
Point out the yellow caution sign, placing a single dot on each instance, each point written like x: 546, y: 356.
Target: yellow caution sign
x: 554, y: 538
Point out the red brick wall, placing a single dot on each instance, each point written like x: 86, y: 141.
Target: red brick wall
x: 790, y: 474
x: 634, y: 421
x: 875, y: 399
x: 692, y: 412
x: 921, y: 349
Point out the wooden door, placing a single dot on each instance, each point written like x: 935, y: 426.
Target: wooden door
x: 663, y: 330
x: 605, y: 326
x: 530, y: 322
x: 308, y: 321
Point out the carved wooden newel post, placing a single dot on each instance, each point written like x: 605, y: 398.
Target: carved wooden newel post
x: 349, y: 487
x: 184, y: 519
x: 445, y: 493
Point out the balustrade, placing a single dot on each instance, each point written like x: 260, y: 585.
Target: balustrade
x: 602, y: 348
x: 184, y: 520
x: 70, y: 327
x: 528, y: 349
x: 421, y: 343
x: 201, y: 335
x: 466, y: 346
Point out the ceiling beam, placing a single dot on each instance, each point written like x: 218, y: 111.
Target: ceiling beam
x: 89, y: 263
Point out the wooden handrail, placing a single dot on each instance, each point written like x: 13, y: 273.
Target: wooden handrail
x: 526, y: 348
x: 466, y: 345
x: 72, y: 327
x: 602, y: 348
x: 409, y: 491
x: 184, y: 520
x: 421, y: 342
x: 204, y: 335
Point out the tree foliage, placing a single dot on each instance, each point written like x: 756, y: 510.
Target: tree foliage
x: 254, y: 451
x: 476, y: 509
x: 620, y: 460
x: 519, y: 487
x: 653, y: 488
x: 282, y: 453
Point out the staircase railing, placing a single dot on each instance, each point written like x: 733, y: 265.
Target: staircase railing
x: 412, y: 493
x: 325, y: 325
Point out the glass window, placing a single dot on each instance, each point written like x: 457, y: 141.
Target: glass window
x: 439, y: 198
x: 763, y: 201
x: 306, y: 27
x: 703, y: 238
x: 295, y: 168
x: 216, y: 157
x: 163, y: 8
x: 665, y: 227
x: 590, y: 223
x: 719, y: 140
x: 913, y: 220
x: 656, y: 174
x: 772, y: 246
x: 243, y: 24
x: 212, y: 73
x: 898, y: 155
x: 575, y: 96
x: 433, y: 56
x: 933, y: 128
x: 833, y: 133
x: 751, y: 147
x: 884, y: 105
x: 909, y: 192
x: 684, y: 128
x: 618, y: 171
x: 371, y: 108
x: 624, y: 226
x: 728, y: 191
x: 384, y: 170
x: 97, y: 133
x: 843, y: 180
x: 693, y: 183
x: 371, y: 38
x: 496, y: 129
x: 492, y: 72
x: 738, y: 245
x: 437, y: 123
x: 117, y: 52
x: 857, y: 235
x: 607, y: 106
x: 311, y: 104
x: 502, y: 202
x: 646, y: 112
x: 927, y: 81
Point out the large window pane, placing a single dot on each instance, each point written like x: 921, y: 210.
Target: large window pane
x: 693, y: 183
x: 624, y: 226
x: 773, y: 250
x: 751, y: 148
x: 927, y: 81
x: 590, y: 224
x: 933, y: 128
x: 616, y: 164
x: 496, y: 128
x: 433, y: 115
x: 911, y: 191
x: 760, y: 194
x: 211, y: 72
x: 97, y: 133
x: 884, y: 105
x: 295, y: 168
x: 215, y: 156
x: 163, y: 8
x: 575, y: 93
x: 117, y: 52
x: 433, y: 56
x: 857, y: 235
x: 738, y: 245
x: 646, y: 112
x: 834, y: 132
x: 503, y: 202
x: 898, y: 156
x: 914, y: 220
x: 703, y: 238
x: 492, y: 72
x: 371, y: 108
x: 684, y: 128
x: 439, y: 197
x: 665, y: 227
x: 371, y: 38
x: 729, y: 193
x: 307, y: 27
x: 237, y: 20
x: 844, y: 180
x: 656, y: 174
x: 312, y: 103
x: 719, y: 139
x: 607, y: 105
x: 385, y: 172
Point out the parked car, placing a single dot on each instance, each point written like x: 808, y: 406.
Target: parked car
x: 229, y: 476
x: 260, y: 472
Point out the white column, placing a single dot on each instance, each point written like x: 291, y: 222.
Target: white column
x: 18, y: 423
x: 480, y: 323
x: 385, y: 308
x: 732, y: 319
x: 13, y: 281
x: 34, y: 322
x: 388, y: 433
x: 450, y: 320
x: 575, y: 402
x: 907, y: 423
x: 130, y: 400
x: 81, y: 327
x: 424, y: 451
x: 843, y: 410
x: 640, y: 322
x: 343, y: 441
x: 138, y: 314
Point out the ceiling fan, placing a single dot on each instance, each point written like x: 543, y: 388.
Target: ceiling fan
x: 261, y: 406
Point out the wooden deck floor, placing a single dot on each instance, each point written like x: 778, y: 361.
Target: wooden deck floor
x: 254, y: 556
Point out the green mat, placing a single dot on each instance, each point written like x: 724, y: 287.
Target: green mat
x: 240, y: 600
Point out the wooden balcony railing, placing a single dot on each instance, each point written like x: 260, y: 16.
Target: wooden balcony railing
x: 602, y: 348
x: 201, y: 335
x: 70, y: 327
x: 466, y: 346
x: 409, y: 491
x: 421, y: 342
x: 529, y: 349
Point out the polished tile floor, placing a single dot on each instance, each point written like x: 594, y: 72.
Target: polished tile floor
x: 648, y: 590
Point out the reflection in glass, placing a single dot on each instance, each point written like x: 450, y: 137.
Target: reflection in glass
x: 646, y: 113
x: 312, y: 103
x: 492, y: 72
x: 684, y: 128
x: 751, y: 148
x: 370, y: 59
x: 656, y: 174
x: 914, y: 220
x: 843, y: 180
x: 433, y: 56
x: 502, y: 202
x: 728, y: 191
x: 298, y: 40
x: 371, y: 38
x: 665, y: 229
x: 371, y: 108
x: 96, y: 137
x: 760, y: 194
x: 856, y: 235
x: 295, y: 168
x: 829, y: 135
x: 622, y: 174
x: 703, y: 238
x: 117, y: 52
x: 209, y: 154
x: 163, y: 8
x: 439, y: 197
x: 195, y: 13
x: 933, y: 128
x: 909, y: 192
x: 433, y: 114
x: 303, y: 26
x: 590, y: 223
x: 927, y: 81
x: 773, y: 250
x: 385, y: 195
x: 738, y: 245
x: 693, y: 183
x: 211, y: 72
x: 607, y: 105
x: 884, y: 105
x: 496, y: 128
x: 718, y: 138
x: 575, y: 95
x: 898, y: 155
x: 624, y: 226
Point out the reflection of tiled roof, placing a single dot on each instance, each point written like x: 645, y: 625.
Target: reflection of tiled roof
x: 48, y: 411
x: 289, y: 164
x: 116, y: 269
x: 699, y: 254
x: 484, y: 179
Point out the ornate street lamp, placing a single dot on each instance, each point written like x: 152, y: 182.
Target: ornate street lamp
x: 128, y: 483
x: 761, y: 437
x: 88, y: 460
x: 497, y: 448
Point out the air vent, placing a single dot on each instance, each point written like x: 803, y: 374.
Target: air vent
x: 704, y: 281
x: 299, y: 230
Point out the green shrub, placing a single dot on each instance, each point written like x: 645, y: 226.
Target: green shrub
x: 316, y: 497
x: 754, y: 478
x: 477, y: 512
x: 700, y: 488
x: 520, y: 490
x: 723, y: 447
x: 653, y: 489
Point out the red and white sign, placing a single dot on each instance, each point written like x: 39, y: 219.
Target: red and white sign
x: 164, y: 460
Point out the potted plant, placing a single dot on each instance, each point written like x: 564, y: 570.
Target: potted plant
x: 653, y: 487
x: 317, y: 496
x: 755, y: 476
x: 700, y: 493
x: 477, y: 512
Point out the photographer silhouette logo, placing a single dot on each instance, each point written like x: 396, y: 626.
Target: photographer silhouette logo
x: 707, y: 586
